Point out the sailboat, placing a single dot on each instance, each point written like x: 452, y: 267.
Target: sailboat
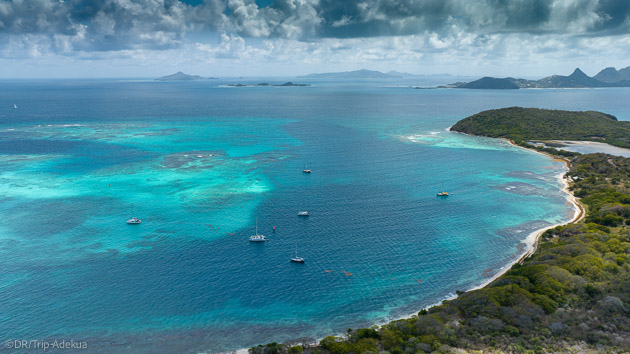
x: 257, y: 237
x: 14, y: 105
x: 443, y: 193
x: 306, y: 170
x: 134, y: 220
x: 297, y: 259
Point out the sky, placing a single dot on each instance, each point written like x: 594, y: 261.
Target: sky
x: 227, y: 38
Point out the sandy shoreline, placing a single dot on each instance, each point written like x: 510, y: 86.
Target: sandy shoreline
x: 531, y: 240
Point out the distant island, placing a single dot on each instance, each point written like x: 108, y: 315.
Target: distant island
x: 609, y: 77
x: 403, y: 74
x: 264, y: 84
x: 357, y: 74
x: 180, y: 76
x: 490, y: 83
x: 572, y: 294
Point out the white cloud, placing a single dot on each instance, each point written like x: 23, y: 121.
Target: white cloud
x: 309, y: 35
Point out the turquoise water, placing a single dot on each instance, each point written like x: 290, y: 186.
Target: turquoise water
x: 199, y: 162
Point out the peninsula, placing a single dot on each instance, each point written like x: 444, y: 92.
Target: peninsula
x: 572, y: 294
x: 519, y: 124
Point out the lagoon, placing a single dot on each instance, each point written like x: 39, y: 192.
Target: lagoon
x: 199, y: 162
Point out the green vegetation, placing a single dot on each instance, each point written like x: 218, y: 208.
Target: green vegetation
x: 571, y: 295
x: 491, y: 83
x: 520, y: 124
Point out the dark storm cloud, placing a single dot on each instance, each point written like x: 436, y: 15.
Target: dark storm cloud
x: 373, y: 18
x: 615, y: 15
x: 104, y: 25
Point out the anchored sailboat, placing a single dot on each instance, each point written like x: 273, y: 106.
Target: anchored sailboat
x: 443, y: 193
x: 133, y: 220
x: 297, y: 259
x: 306, y: 170
x: 257, y: 237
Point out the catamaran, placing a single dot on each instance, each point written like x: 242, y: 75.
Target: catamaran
x: 443, y: 193
x: 133, y: 220
x: 257, y: 237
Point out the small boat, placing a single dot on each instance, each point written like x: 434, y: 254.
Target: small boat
x: 297, y: 259
x: 257, y: 237
x: 306, y: 170
x: 443, y: 193
x: 303, y: 213
x: 133, y: 220
x: 14, y: 105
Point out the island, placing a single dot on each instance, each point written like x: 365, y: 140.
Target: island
x: 490, y: 83
x: 402, y: 74
x: 180, y: 76
x: 571, y: 293
x: 265, y: 84
x: 357, y: 74
x: 608, y: 77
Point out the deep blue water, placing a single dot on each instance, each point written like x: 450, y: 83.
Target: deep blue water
x: 199, y: 162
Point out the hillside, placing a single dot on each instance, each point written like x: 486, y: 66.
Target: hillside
x: 613, y: 75
x: 519, y: 123
x: 577, y: 79
x: 608, y: 77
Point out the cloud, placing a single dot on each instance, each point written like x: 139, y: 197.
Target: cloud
x: 106, y: 25
x: 307, y: 32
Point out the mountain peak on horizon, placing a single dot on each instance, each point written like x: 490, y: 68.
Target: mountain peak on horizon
x: 578, y: 73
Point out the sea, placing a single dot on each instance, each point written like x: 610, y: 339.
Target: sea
x: 203, y: 163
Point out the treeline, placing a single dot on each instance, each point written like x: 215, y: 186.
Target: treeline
x: 519, y: 124
x: 573, y: 294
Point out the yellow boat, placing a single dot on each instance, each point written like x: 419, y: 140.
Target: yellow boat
x: 442, y: 193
